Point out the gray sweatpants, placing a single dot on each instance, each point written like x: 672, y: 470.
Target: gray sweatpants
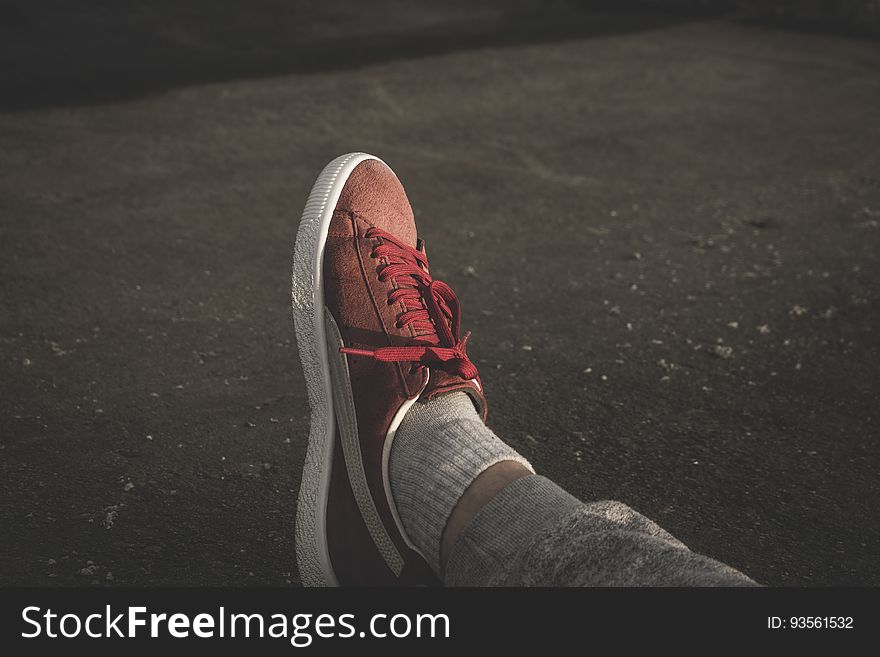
x: 533, y: 533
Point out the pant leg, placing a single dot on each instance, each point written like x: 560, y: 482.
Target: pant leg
x: 533, y: 533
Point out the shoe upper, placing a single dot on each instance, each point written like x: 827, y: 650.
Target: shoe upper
x: 392, y: 338
x: 353, y: 293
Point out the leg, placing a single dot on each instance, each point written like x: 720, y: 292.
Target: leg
x: 510, y: 527
x: 512, y: 541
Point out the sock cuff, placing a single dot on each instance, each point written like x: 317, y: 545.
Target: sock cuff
x: 439, y: 449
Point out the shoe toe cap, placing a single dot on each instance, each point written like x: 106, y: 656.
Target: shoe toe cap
x: 374, y: 194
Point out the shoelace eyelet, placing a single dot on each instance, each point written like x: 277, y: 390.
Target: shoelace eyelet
x: 439, y: 309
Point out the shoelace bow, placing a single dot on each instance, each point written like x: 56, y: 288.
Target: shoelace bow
x: 432, y: 309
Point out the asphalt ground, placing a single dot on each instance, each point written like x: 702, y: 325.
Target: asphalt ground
x: 664, y: 232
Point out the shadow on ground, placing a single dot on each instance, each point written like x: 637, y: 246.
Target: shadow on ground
x: 58, y: 53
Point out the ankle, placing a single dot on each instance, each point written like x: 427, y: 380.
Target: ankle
x: 440, y: 449
x: 486, y: 486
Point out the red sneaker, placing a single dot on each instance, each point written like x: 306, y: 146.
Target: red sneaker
x: 375, y: 333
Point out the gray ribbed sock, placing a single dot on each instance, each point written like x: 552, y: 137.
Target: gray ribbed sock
x: 439, y: 449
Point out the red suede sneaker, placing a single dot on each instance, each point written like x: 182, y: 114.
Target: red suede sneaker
x: 375, y: 333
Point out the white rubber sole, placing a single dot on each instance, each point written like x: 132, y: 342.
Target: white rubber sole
x: 312, y: 553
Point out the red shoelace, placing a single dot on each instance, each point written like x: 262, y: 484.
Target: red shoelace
x: 432, y: 309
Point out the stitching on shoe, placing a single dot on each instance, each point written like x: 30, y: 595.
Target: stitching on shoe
x: 353, y: 457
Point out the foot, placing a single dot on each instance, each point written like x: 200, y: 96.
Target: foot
x: 375, y: 334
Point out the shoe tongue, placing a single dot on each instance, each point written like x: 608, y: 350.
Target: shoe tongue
x: 442, y: 382
x: 423, y: 332
x: 420, y: 246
